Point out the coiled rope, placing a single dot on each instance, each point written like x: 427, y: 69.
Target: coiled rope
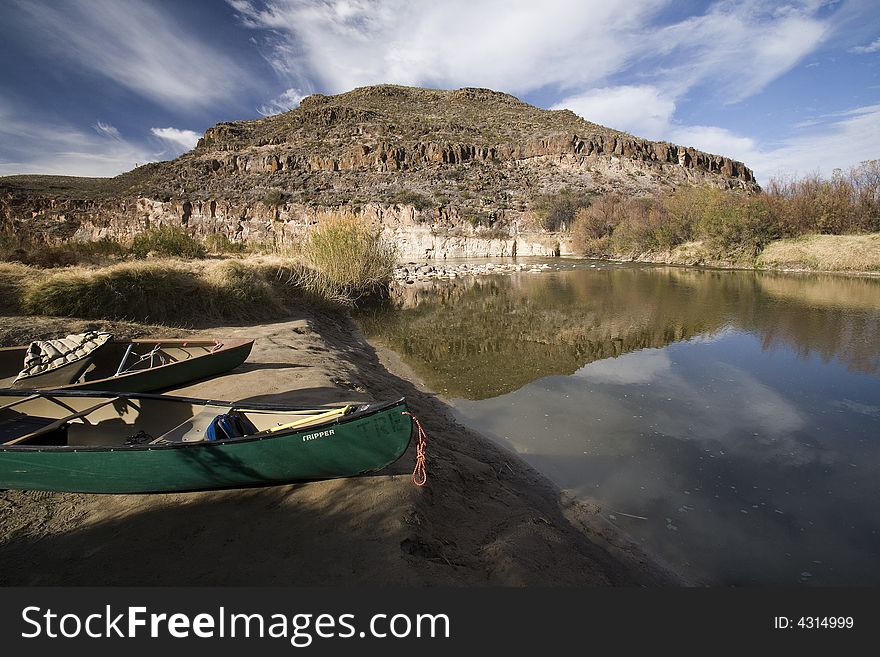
x: 420, y: 472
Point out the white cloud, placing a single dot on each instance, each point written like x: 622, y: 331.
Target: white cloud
x: 186, y: 139
x: 521, y: 46
x: 283, y: 103
x: 138, y: 47
x: 513, y: 45
x: 636, y: 367
x: 641, y: 110
x: 874, y: 46
x: 712, y: 139
x: 646, y: 112
x: 841, y: 141
x: 29, y: 144
x: 578, y: 50
x: 106, y: 130
x: 737, y: 48
x: 848, y: 139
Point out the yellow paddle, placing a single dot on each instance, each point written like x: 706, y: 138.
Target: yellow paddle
x: 306, y: 421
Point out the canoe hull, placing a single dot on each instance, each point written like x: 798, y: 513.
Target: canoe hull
x: 171, y: 375
x: 340, y: 449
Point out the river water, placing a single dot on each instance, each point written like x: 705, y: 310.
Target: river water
x: 729, y: 421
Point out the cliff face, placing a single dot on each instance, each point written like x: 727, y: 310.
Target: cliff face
x: 446, y: 173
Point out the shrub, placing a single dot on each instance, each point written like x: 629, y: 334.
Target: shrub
x: 600, y: 218
x: 557, y: 211
x: 106, y: 247
x: 136, y: 291
x: 733, y: 226
x: 409, y: 197
x: 849, y: 202
x: 275, y: 198
x: 353, y: 257
x: 48, y: 256
x: 643, y: 221
x: 166, y: 241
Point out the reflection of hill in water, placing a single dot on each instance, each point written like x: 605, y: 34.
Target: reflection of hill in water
x: 479, y: 338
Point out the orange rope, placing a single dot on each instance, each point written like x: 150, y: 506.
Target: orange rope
x: 420, y: 472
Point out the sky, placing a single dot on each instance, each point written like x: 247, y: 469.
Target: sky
x: 95, y: 87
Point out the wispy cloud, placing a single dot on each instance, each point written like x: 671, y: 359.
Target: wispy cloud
x: 760, y: 40
x: 287, y: 101
x: 137, y: 46
x: 578, y: 51
x: 31, y: 144
x: 348, y: 43
x: 839, y: 141
x: 106, y: 130
x: 187, y: 139
x: 567, y: 46
x: 821, y: 144
x: 874, y: 46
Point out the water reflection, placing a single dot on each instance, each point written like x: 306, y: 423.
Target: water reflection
x: 726, y: 419
x: 479, y: 338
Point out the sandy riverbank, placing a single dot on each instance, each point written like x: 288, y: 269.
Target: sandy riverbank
x: 485, y: 517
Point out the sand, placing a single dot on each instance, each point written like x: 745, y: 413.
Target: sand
x: 484, y: 518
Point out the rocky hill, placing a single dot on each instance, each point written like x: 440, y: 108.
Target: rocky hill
x: 446, y: 173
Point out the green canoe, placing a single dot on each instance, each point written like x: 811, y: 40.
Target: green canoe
x: 142, y: 365
x: 102, y: 442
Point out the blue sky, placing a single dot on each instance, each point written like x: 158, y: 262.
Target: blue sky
x: 92, y: 87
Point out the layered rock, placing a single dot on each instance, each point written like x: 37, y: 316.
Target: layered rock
x: 446, y: 173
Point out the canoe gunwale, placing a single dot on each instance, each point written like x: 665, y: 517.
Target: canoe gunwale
x: 372, y: 409
x: 227, y: 346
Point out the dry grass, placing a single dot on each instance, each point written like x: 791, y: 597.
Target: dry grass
x: 856, y: 253
x: 351, y: 258
x: 15, y: 279
x: 165, y: 292
x: 172, y: 292
x: 341, y: 261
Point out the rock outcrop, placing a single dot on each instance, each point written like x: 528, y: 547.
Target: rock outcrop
x: 445, y: 173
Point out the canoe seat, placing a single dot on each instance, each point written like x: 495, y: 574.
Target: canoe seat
x: 194, y: 428
x: 27, y: 424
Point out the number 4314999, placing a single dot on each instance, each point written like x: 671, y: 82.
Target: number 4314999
x: 813, y: 622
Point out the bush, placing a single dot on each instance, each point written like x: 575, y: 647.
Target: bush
x: 409, y: 197
x: 731, y: 224
x: 70, y: 253
x: 735, y: 226
x: 275, y: 198
x: 600, y: 218
x: 242, y: 291
x: 15, y: 279
x: 134, y: 291
x: 847, y: 203
x: 592, y: 227
x: 641, y: 227
x: 166, y: 241
x: 557, y: 211
x: 353, y: 258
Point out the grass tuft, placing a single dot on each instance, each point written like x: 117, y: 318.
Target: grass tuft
x: 166, y: 242
x: 351, y: 259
